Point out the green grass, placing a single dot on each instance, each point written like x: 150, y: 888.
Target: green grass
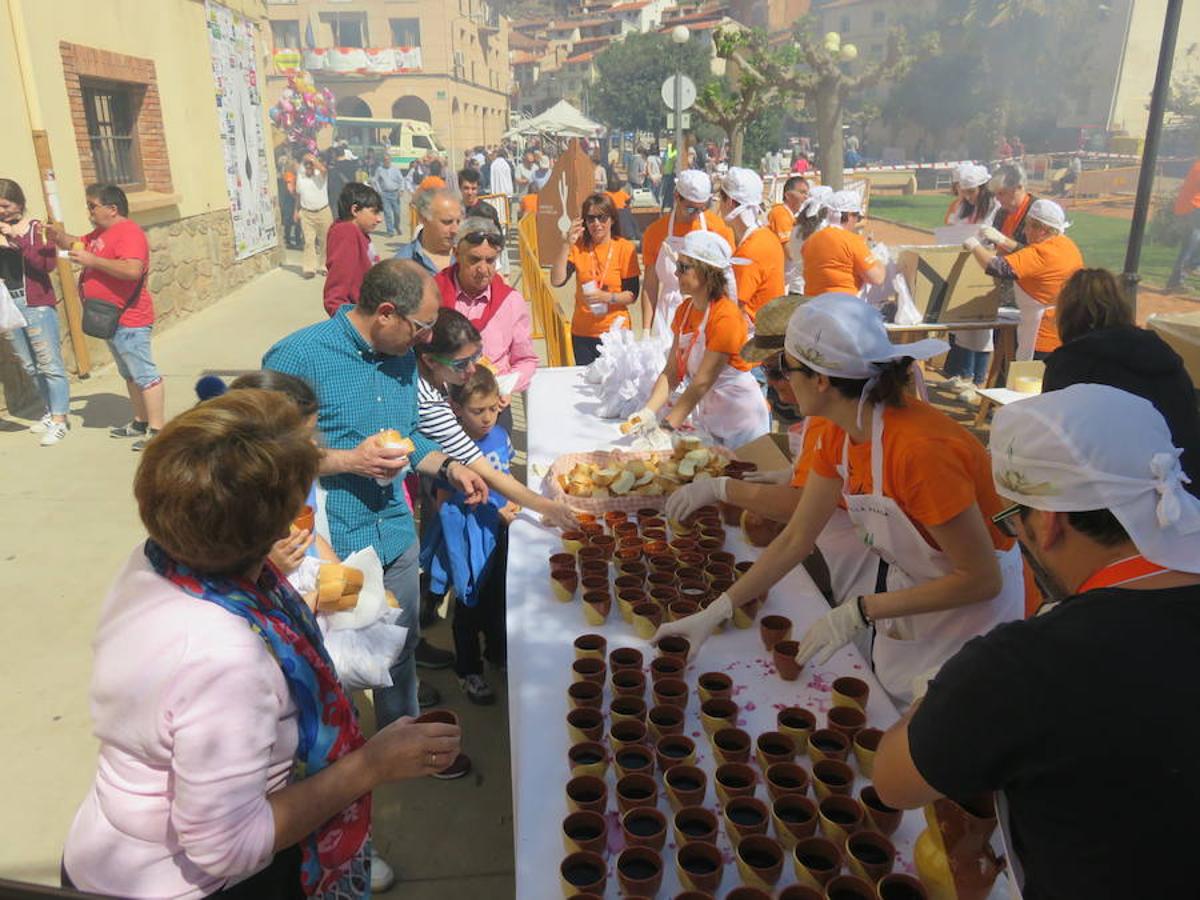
x: 1101, y: 239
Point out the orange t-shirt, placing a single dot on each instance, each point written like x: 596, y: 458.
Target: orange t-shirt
x: 656, y: 233
x: 1011, y: 220
x: 933, y: 468
x: 816, y: 430
x: 725, y: 331
x: 781, y: 221
x: 761, y: 280
x: 529, y: 203
x: 1042, y: 269
x: 620, y: 199
x: 614, y: 261
x: 835, y: 260
x: 430, y: 181
x: 1188, y: 200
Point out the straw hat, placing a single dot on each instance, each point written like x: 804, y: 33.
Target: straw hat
x: 770, y: 326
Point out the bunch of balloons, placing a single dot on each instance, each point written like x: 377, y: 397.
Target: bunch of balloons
x: 302, y: 111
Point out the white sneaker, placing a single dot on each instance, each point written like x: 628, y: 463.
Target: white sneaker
x: 42, y: 425
x: 55, y: 433
x: 969, y: 394
x: 382, y: 875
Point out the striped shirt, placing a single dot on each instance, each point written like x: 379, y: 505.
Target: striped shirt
x: 439, y: 424
x: 360, y: 393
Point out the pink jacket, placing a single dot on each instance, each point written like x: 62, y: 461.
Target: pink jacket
x: 196, y: 728
x: 507, y: 335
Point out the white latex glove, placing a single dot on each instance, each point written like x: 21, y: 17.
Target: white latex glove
x: 560, y: 516
x: 993, y: 235
x: 644, y: 334
x: 970, y: 243
x: 689, y: 498
x: 643, y: 421
x: 774, y: 476
x: 920, y: 684
x: 655, y: 440
x: 697, y: 627
x: 830, y: 633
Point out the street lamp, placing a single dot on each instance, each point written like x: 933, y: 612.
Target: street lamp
x: 680, y: 35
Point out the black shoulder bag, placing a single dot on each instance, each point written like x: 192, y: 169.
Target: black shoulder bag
x: 100, y: 317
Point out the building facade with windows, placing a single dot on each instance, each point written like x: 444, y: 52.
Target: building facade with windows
x: 444, y: 63
x: 130, y: 97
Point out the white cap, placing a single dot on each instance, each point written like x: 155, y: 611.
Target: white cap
x: 959, y: 170
x: 818, y: 199
x: 711, y: 249
x: 1058, y: 452
x: 842, y: 336
x: 846, y: 202
x: 694, y: 186
x: 973, y: 176
x: 1049, y: 214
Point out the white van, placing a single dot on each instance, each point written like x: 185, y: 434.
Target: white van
x: 406, y: 139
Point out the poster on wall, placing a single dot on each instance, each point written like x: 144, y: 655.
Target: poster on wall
x: 233, y: 46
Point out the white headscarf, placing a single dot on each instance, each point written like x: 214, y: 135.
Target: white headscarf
x: 713, y: 250
x: 745, y: 188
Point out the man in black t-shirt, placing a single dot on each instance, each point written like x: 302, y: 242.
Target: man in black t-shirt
x: 1083, y: 718
x: 468, y: 186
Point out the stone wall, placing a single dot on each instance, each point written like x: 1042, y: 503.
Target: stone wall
x: 192, y: 265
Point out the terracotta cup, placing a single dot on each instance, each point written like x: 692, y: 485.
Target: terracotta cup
x: 628, y: 683
x: 572, y: 541
x: 590, y: 645
x: 784, y: 657
x: 656, y: 541
x: 717, y: 714
x: 583, y: 872
x: 733, y: 780
x: 628, y: 550
x: 662, y: 564
x: 584, y: 831
x: 690, y: 573
x: 588, y: 553
x: 635, y: 792
x: 585, y: 693
x: 840, y: 817
x: 625, y: 658
x: 795, y: 818
x: 847, y: 719
x: 831, y: 776
x: 674, y: 646
x: 773, y: 629
x: 744, y: 615
x: 711, y: 541
x: 605, y: 543
x: 664, y: 719
x: 695, y: 823
x: 685, y: 785
x: 585, y: 724
x: 589, y: 669
x: 626, y: 601
x: 866, y: 743
x: 675, y: 750
x: 700, y: 866
x: 625, y: 733
x: 694, y: 591
x: 585, y: 518
x: 682, y: 544
x: 681, y: 609
x: 305, y: 519
x: 595, y: 583
x: 644, y: 828
x: 849, y: 887
x: 870, y: 855
x: 881, y: 817
x: 801, y: 892
x: 587, y: 792
x: 588, y: 758
x: 627, y: 583
x: 650, y: 518
x: 633, y: 569
x: 633, y: 760
x: 596, y: 607
x: 786, y: 778
x: 714, y: 686
x: 817, y: 860
x: 640, y: 871
x: 725, y: 558
x: 591, y: 529
x: 646, y: 619
x: 731, y: 745
x: 663, y: 595
x: 744, y: 816
x: 615, y: 517
x: 825, y: 743
x: 671, y: 692
x: 666, y: 667
x: 627, y: 706
x: 748, y: 893
x: 899, y: 886
x: 625, y: 530
x: 848, y: 691
x: 774, y: 747
x: 690, y: 559
x: 760, y: 861
x: 596, y: 567
x: 564, y: 583
x: 797, y: 722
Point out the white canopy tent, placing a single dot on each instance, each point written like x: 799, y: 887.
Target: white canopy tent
x: 560, y: 119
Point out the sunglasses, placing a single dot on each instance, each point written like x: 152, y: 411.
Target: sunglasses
x: 589, y: 219
x: 475, y: 238
x: 786, y: 368
x: 418, y: 326
x: 694, y: 210
x: 1003, y: 520
x: 460, y: 365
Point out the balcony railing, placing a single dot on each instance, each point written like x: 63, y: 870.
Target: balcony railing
x: 349, y: 60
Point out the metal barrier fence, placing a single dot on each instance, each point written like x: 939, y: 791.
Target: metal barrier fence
x: 548, y: 319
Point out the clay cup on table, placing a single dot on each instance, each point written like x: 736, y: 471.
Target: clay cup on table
x: 644, y: 828
x: 584, y: 831
x: 583, y: 873
x: 869, y: 854
x: 573, y: 541
x: 848, y: 720
x: 627, y: 706
x: 760, y: 861
x: 636, y: 791
x: 748, y: 893
x: 633, y: 759
x: 733, y: 780
x: 716, y: 714
x: 786, y: 778
x: 646, y: 619
x: 666, y: 667
x: 714, y: 686
x: 881, y: 817
x: 731, y: 745
x: 685, y: 785
x: 596, y: 607
x: 589, y: 668
x: 700, y: 866
x: 671, y: 692
x: 563, y: 580
x: 590, y: 645
x: 675, y: 646
x: 801, y: 892
x: 745, y: 816
x: 675, y: 750
x: 798, y: 723
x: 681, y: 609
x: 794, y: 817
x: 587, y: 792
x: 849, y: 691
x: 694, y: 823
x: 625, y: 658
x: 640, y: 871
x: 625, y: 733
x: 628, y: 683
x: 588, y: 758
x: 585, y: 693
x: 898, y: 886
x: 825, y: 743
x: 745, y: 614
x: 774, y: 747
x: 816, y: 860
x: 832, y: 776
x: 850, y: 887
x: 585, y: 724
x: 664, y: 719
x: 784, y: 657
x: 840, y: 817
x: 866, y: 743
x: 773, y: 629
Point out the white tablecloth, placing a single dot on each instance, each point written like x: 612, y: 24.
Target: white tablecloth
x: 561, y: 417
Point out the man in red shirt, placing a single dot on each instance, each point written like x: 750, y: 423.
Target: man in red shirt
x: 115, y: 257
x: 1187, y: 205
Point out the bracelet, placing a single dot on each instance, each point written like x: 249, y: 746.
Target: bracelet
x: 862, y: 611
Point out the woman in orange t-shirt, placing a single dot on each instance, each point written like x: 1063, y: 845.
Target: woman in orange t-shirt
x: 607, y: 277
x: 721, y: 395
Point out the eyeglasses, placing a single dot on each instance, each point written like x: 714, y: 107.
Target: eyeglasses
x: 773, y: 367
x: 693, y: 210
x: 459, y: 365
x: 600, y: 217
x: 1003, y: 520
x: 418, y: 326
x: 786, y: 368
x: 475, y: 238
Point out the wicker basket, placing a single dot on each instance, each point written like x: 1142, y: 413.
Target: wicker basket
x: 628, y: 503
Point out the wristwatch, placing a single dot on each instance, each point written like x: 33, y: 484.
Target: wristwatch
x: 443, y: 471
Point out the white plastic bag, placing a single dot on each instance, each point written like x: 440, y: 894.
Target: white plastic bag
x: 362, y: 656
x: 372, y: 601
x: 11, y: 317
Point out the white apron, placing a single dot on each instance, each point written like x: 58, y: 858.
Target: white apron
x: 909, y: 646
x: 669, y: 296
x: 1027, y: 327
x: 734, y: 411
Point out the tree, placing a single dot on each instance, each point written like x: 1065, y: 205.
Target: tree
x: 627, y: 94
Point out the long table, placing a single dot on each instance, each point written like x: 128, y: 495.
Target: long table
x: 562, y: 419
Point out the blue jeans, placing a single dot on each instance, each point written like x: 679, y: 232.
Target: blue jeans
x: 1189, y: 253
x: 971, y: 364
x: 130, y: 348
x: 402, y: 578
x: 39, y: 348
x: 391, y: 211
